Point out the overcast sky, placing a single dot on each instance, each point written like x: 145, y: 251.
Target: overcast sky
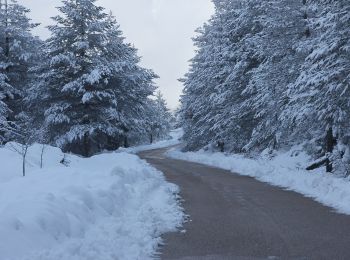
x: 160, y: 29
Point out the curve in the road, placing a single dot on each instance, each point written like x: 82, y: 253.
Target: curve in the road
x: 236, y: 217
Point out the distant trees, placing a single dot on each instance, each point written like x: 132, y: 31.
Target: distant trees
x: 83, y: 89
x: 159, y: 119
x: 269, y: 74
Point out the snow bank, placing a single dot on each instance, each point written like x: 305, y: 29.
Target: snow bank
x: 111, y: 206
x: 175, y: 137
x: 285, y: 170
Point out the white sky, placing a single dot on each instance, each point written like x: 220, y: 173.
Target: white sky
x: 160, y: 29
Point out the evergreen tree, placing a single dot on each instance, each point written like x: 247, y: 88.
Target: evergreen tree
x: 226, y: 58
x: 18, y: 52
x: 202, y: 99
x: 271, y: 73
x: 133, y: 85
x: 234, y: 122
x: 90, y: 80
x: 159, y: 119
x: 320, y: 98
x: 283, y: 27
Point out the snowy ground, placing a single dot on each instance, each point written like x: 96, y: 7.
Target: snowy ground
x: 284, y: 170
x: 174, y: 139
x: 108, y: 207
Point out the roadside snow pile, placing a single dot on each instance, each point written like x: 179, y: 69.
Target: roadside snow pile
x: 285, y: 170
x: 111, y: 206
x: 175, y: 136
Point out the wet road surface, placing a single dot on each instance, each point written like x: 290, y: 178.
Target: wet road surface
x: 237, y: 217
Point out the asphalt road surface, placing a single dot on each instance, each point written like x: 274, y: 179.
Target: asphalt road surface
x: 236, y: 217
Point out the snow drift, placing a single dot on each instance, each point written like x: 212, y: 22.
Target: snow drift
x: 110, y: 206
x: 285, y: 170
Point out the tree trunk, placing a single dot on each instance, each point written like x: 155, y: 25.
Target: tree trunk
x: 126, y: 142
x: 24, y: 155
x: 274, y: 142
x: 330, y: 143
x: 63, y: 161
x: 221, y: 146
x: 317, y: 164
x: 306, y: 18
x: 151, y: 138
x: 86, y: 145
x: 7, y: 37
x: 42, y: 156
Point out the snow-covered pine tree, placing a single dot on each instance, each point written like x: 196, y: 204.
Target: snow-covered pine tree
x: 89, y: 80
x: 164, y: 116
x: 283, y: 27
x: 133, y: 85
x: 159, y: 118
x: 237, y: 89
x: 73, y: 78
x: 232, y: 88
x: 234, y: 122
x: 4, y: 111
x: 205, y: 81
x: 284, y: 77
x: 18, y: 51
x: 320, y: 99
x: 4, y: 86
x: 4, y: 89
